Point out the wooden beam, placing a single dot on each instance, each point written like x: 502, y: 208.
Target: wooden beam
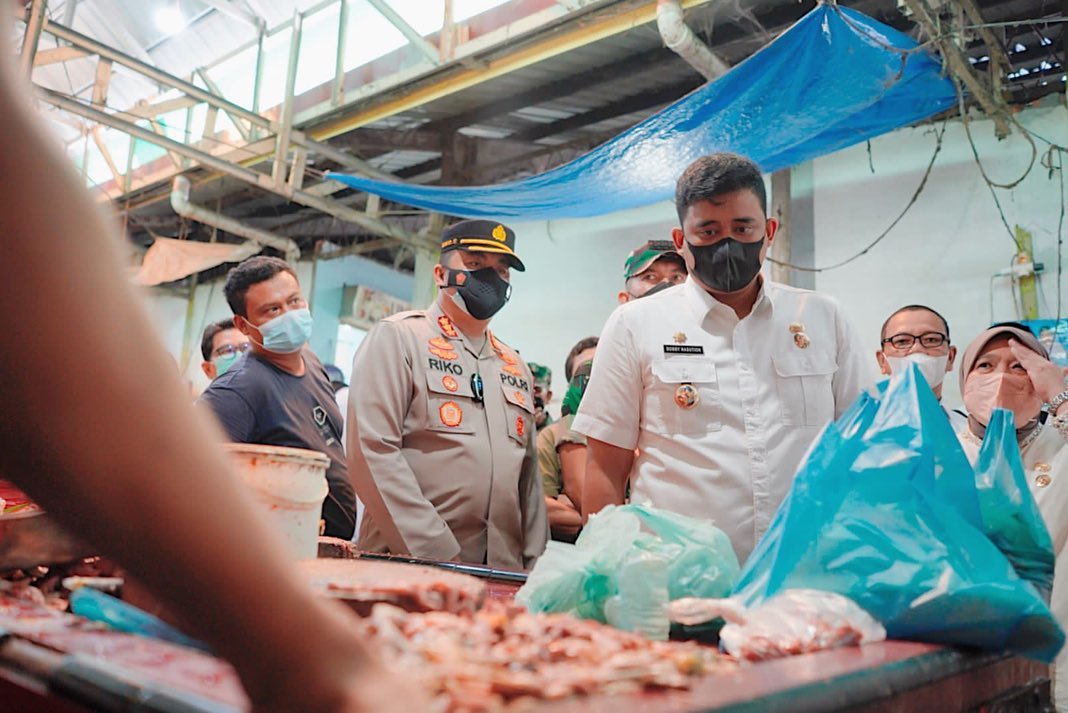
x: 101, y: 83
x: 145, y: 110
x: 56, y: 55
x: 102, y: 147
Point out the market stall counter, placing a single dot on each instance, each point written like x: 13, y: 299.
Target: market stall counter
x: 50, y: 673
x: 884, y: 676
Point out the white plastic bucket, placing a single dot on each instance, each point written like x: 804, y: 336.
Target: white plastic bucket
x: 289, y: 485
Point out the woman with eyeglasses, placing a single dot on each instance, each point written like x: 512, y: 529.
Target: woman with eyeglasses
x: 1007, y: 367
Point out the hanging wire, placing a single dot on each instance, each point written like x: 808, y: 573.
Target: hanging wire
x: 912, y: 201
x: 986, y: 179
x: 1048, y: 163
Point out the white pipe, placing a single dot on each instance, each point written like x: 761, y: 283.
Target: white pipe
x: 680, y: 39
x: 182, y: 206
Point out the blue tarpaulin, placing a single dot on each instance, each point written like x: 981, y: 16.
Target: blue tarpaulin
x: 835, y: 78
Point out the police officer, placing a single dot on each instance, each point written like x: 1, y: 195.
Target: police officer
x: 441, y: 419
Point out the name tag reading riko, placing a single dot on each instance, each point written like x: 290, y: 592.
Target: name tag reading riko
x: 683, y: 349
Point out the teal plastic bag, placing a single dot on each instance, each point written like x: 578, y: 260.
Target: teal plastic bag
x: 885, y: 510
x: 1011, y: 518
x: 627, y: 563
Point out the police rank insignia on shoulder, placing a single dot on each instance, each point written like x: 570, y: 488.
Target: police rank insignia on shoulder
x: 451, y: 414
x: 442, y: 354
x: 512, y: 369
x: 447, y: 327
x: 501, y: 351
x: 441, y: 343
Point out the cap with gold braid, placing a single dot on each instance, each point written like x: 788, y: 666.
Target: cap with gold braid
x: 482, y: 236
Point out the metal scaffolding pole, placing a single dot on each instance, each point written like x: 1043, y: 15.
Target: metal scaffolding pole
x: 281, y: 151
x: 189, y: 89
x: 34, y: 23
x: 337, y: 89
x: 429, y: 51
x: 247, y: 175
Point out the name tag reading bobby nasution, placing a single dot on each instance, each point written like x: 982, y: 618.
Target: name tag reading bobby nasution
x: 683, y: 349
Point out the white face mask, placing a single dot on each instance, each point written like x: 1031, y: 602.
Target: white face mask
x: 933, y: 368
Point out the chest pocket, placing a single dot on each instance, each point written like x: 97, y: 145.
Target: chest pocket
x: 805, y: 388
x: 664, y: 405
x: 519, y: 410
x: 451, y: 406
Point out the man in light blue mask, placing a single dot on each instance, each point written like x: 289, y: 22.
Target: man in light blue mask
x: 281, y: 395
x: 221, y: 345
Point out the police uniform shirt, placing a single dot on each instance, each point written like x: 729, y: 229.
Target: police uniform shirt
x: 441, y: 445
x: 722, y: 410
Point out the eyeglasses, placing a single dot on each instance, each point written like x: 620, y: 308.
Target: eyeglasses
x: 928, y: 340
x: 230, y: 349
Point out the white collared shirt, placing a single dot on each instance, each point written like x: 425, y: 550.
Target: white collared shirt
x: 1045, y: 462
x: 762, y: 398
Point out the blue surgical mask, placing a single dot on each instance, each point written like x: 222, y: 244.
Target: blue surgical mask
x: 224, y: 362
x: 288, y: 332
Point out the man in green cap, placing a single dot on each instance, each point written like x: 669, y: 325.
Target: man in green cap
x: 543, y: 394
x: 651, y: 267
x: 441, y: 419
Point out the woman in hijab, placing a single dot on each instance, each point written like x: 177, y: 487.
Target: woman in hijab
x: 1007, y: 367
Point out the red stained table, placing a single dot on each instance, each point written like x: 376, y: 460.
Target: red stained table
x: 889, y: 676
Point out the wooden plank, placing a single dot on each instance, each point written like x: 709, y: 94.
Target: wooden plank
x: 99, y: 141
x: 103, y: 80
x: 58, y: 54
x: 146, y: 110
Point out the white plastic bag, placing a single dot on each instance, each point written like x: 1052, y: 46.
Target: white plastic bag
x: 797, y: 621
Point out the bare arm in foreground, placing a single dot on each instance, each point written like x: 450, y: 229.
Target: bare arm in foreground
x: 95, y: 425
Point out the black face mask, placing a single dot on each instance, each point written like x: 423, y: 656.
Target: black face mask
x: 727, y: 265
x: 483, y: 291
x: 658, y: 287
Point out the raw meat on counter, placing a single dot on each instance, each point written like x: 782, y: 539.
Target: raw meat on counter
x: 797, y: 621
x: 125, y: 656
x: 502, y: 656
x: 364, y: 583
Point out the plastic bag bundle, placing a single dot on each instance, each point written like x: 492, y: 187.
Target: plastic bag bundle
x: 627, y: 563
x: 885, y: 510
x: 796, y: 621
x: 1011, y: 518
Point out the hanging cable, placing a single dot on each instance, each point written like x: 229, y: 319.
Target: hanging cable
x: 912, y: 201
x: 986, y: 179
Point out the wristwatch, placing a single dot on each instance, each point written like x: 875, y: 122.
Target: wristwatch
x: 1056, y: 401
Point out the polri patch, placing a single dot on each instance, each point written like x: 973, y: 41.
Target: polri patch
x: 451, y: 414
x: 683, y: 349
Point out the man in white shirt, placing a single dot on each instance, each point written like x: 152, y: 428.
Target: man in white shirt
x: 916, y: 334
x: 720, y: 383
